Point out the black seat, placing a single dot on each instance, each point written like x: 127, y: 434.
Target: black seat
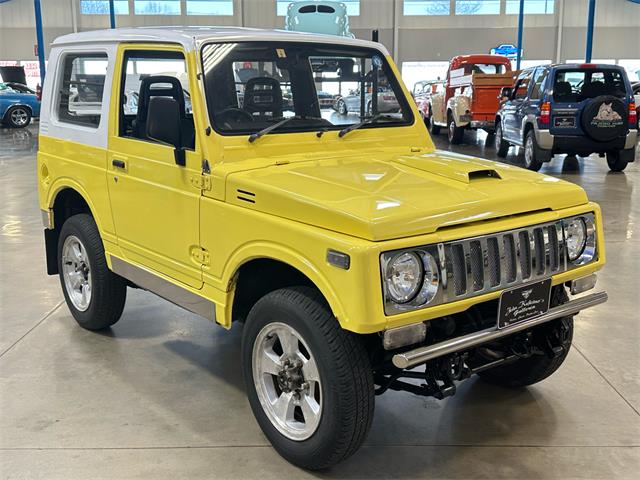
x: 262, y: 95
x: 563, y: 92
x: 593, y: 89
x: 156, y: 86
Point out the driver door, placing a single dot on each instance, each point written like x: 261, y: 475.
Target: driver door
x: 154, y: 201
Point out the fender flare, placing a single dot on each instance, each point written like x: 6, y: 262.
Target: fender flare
x: 278, y: 252
x: 17, y: 104
x: 64, y: 183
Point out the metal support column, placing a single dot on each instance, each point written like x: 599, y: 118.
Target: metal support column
x: 39, y: 39
x: 112, y: 14
x: 590, y: 22
x: 520, y: 29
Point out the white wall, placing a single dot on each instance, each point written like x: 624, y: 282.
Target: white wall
x: 617, y: 33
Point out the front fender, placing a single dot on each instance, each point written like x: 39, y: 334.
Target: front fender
x: 282, y: 253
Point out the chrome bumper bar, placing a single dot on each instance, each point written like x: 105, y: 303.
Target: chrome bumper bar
x: 424, y: 354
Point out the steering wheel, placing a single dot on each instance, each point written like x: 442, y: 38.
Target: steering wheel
x: 231, y: 115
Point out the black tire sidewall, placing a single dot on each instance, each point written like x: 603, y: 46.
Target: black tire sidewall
x: 83, y: 227
x: 10, y: 123
x: 323, y: 440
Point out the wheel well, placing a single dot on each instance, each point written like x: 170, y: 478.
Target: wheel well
x: 258, y: 277
x: 18, y: 105
x: 68, y: 202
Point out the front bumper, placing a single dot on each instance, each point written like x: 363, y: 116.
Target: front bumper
x: 421, y: 355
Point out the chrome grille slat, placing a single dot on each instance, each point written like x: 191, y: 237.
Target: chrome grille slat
x: 502, y: 260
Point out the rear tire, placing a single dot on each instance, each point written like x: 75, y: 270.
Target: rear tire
x: 343, y: 388
x: 619, y: 159
x: 455, y: 133
x: 502, y: 147
x: 527, y: 371
x: 94, y: 294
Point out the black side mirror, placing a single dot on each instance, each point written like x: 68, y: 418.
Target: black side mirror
x: 505, y: 93
x: 164, y: 124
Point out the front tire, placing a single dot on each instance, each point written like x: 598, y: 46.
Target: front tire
x: 502, y: 147
x: 17, y: 117
x: 309, y: 382
x: 532, y: 160
x: 94, y: 294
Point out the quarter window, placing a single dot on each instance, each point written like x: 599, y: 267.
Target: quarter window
x: 538, y: 80
x: 81, y: 88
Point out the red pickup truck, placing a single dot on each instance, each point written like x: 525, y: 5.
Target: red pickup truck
x: 470, y: 97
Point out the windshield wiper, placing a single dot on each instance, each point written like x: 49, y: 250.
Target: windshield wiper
x: 364, y: 122
x: 265, y: 131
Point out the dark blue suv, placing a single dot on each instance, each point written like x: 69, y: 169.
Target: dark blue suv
x: 577, y: 109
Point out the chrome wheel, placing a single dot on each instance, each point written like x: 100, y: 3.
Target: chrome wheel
x: 287, y: 381
x: 76, y: 272
x: 498, y: 138
x: 19, y: 117
x: 528, y: 152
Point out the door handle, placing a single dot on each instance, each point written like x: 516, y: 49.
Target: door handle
x: 118, y: 163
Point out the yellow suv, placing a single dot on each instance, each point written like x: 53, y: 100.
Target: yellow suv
x: 200, y: 165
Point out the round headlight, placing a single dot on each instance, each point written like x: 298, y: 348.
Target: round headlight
x: 576, y: 233
x: 404, y: 277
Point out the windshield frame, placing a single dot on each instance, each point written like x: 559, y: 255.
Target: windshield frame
x: 401, y: 96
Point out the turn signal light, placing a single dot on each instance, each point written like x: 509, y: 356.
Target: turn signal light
x: 545, y: 114
x: 633, y: 115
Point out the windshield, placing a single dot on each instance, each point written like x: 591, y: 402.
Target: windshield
x: 251, y: 86
x: 582, y: 84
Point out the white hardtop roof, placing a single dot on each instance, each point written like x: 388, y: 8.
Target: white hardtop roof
x: 192, y: 37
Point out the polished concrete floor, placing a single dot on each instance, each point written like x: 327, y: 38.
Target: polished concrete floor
x: 160, y: 396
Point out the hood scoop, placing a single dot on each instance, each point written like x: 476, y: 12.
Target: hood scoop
x: 480, y: 174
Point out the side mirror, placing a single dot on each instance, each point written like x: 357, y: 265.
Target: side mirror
x: 505, y: 93
x: 164, y: 125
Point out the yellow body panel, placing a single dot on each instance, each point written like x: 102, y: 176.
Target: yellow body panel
x: 371, y: 191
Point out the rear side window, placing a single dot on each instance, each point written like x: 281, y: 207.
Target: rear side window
x: 582, y: 84
x: 81, y: 88
x: 538, y: 80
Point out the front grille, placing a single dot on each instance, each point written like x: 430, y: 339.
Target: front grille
x: 484, y: 264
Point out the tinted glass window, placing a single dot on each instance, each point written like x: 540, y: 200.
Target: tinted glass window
x: 581, y: 84
x: 538, y: 80
x: 250, y: 86
x: 81, y: 88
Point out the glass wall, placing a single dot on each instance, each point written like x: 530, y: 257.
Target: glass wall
x: 427, y: 7
x: 101, y: 7
x: 353, y: 7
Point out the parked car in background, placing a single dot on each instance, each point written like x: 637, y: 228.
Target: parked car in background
x: 20, y: 88
x: 470, y: 97
x: 318, y: 17
x: 326, y: 100
x: 577, y: 109
x: 422, y: 93
x: 17, y: 108
x: 387, y: 102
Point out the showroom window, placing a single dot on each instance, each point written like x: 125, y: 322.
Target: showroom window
x: 632, y: 67
x: 156, y: 7
x: 535, y: 7
x: 80, y: 91
x: 101, y: 7
x: 210, y: 7
x: 427, y: 7
x: 353, y: 7
x: 478, y: 7
x: 413, y: 72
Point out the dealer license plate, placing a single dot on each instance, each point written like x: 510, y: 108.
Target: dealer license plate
x: 564, y: 122
x: 522, y: 303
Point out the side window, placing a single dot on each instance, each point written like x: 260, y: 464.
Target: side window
x: 522, y: 86
x: 148, y: 74
x: 538, y: 80
x: 81, y: 88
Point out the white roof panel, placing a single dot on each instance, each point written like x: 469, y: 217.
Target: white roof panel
x: 191, y: 37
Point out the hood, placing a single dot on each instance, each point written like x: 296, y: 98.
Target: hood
x: 382, y: 196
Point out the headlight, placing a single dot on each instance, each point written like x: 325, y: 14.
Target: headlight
x: 411, y: 278
x: 576, y: 233
x: 404, y: 277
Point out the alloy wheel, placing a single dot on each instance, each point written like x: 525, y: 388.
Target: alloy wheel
x: 287, y: 381
x: 76, y: 272
x: 528, y: 152
x: 19, y: 117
